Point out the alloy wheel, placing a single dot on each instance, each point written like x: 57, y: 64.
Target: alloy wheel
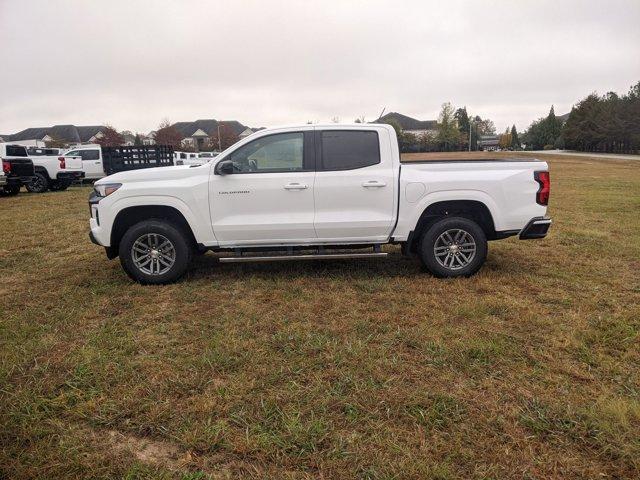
x: 455, y: 249
x: 153, y: 254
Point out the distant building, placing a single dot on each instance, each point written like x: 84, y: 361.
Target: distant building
x: 411, y: 125
x: 247, y: 131
x: 67, y: 134
x: 488, y: 143
x: 149, y: 139
x: 128, y: 137
x: 198, y: 134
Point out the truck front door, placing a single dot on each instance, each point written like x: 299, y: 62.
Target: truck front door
x: 268, y: 199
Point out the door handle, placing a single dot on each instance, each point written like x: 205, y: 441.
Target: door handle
x: 295, y: 186
x: 374, y: 184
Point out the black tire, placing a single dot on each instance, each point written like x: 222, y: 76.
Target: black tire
x: 182, y: 252
x: 456, y: 258
x: 59, y: 185
x: 39, y: 184
x: 10, y: 190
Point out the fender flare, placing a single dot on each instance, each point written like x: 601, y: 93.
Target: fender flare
x: 454, y: 196
x: 199, y: 231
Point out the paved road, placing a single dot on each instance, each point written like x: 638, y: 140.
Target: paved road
x: 604, y: 156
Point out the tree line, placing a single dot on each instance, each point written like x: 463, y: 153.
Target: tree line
x: 609, y: 123
x: 455, y: 130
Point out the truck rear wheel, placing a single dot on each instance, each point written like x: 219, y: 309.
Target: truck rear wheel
x: 39, y: 184
x: 453, y: 247
x: 155, y: 252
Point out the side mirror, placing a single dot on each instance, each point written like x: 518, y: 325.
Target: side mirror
x: 224, y: 167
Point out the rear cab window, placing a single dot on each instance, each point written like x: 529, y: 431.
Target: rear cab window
x: 16, y: 151
x: 347, y: 149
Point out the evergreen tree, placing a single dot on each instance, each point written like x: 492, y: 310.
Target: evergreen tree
x: 464, y: 125
x: 551, y: 128
x: 515, y: 141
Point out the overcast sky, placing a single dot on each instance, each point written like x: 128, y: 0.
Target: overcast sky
x: 133, y: 63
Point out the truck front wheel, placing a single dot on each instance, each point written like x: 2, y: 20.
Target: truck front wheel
x: 155, y: 252
x: 39, y: 184
x: 453, y: 247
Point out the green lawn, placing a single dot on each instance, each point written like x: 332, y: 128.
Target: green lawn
x: 346, y: 369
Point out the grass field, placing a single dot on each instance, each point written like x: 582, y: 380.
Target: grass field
x: 345, y: 369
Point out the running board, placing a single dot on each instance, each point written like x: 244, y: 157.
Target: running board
x: 317, y: 256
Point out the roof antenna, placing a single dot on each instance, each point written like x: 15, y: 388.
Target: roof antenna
x: 381, y: 113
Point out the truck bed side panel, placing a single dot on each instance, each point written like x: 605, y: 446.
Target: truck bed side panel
x: 507, y: 189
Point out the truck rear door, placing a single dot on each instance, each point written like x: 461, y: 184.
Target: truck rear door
x: 355, y: 186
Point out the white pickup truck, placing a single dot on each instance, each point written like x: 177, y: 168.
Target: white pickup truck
x: 317, y: 192
x: 90, y: 156
x: 53, y: 171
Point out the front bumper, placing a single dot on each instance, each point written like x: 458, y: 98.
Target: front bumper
x: 536, y: 228
x: 93, y: 239
x: 98, y: 234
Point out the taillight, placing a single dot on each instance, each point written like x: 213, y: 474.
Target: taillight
x: 63, y: 164
x: 6, y: 167
x: 543, y: 179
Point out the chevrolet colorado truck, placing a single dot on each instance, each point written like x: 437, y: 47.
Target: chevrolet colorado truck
x: 52, y: 171
x: 317, y: 192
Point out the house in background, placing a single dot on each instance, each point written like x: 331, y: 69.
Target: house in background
x: 411, y: 125
x: 199, y: 133
x: 65, y: 134
x: 248, y: 131
x: 148, y: 139
x: 128, y: 137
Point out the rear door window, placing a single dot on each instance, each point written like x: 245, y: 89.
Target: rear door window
x: 90, y: 154
x: 348, y: 149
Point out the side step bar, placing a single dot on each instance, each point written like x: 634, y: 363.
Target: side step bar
x: 316, y: 256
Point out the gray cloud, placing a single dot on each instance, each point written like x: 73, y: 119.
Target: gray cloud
x: 132, y: 64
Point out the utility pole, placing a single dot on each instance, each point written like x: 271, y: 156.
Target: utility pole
x: 219, y: 140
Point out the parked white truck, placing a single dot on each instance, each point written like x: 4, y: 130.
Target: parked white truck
x: 53, y: 171
x: 317, y: 192
x: 90, y: 156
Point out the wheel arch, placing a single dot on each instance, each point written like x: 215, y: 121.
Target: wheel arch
x: 474, y: 210
x: 43, y: 170
x: 129, y: 216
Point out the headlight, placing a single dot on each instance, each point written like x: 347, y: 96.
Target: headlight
x: 106, y: 189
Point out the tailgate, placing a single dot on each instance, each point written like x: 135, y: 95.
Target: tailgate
x: 73, y: 163
x: 21, y: 167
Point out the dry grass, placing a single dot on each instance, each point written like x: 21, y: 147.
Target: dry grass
x: 349, y: 369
